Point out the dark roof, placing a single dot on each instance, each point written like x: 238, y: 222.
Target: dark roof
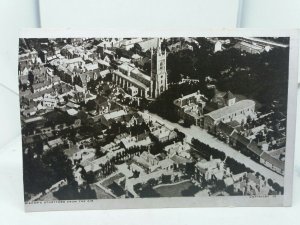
x: 142, y: 136
x: 225, y: 128
x: 275, y: 162
x: 254, y: 148
x: 233, y: 123
x: 241, y: 139
x: 209, y: 107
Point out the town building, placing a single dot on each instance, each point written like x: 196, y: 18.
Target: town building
x: 163, y: 134
x: 239, y: 111
x: 190, y: 107
x: 272, y: 163
x: 209, y: 170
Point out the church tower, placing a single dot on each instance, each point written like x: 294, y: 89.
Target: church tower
x: 159, y: 76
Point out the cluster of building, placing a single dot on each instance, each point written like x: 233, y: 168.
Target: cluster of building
x: 244, y: 183
x: 55, y: 92
x: 225, y: 117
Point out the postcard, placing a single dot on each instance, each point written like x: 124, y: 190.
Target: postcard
x: 128, y: 119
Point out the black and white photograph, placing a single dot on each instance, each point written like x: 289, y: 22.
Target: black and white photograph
x: 155, y: 118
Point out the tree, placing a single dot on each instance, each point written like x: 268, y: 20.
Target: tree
x: 190, y: 169
x: 90, y: 105
x: 30, y: 78
x: 42, y: 172
x: 152, y: 182
x: 270, y: 182
x: 148, y: 192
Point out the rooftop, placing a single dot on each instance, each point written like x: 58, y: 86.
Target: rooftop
x: 114, y: 114
x: 275, y: 162
x: 228, y: 110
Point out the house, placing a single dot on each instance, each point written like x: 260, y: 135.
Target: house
x: 180, y: 161
x: 251, y: 48
x: 147, y: 161
x: 166, y: 164
x: 50, y: 101
x: 245, y: 146
x: 239, y: 142
x: 95, y: 166
x: 224, y: 131
x: 164, y: 134
x: 136, y: 57
x: 114, y: 115
x: 246, y: 184
x: 129, y: 43
x: 83, y: 155
x: 133, y: 119
x: 124, y: 60
x: 190, y: 107
x: 178, y: 148
x: 55, y: 142
x: 129, y: 142
x: 272, y: 163
x: 91, y: 67
x: 208, y: 170
x: 29, y: 112
x: 72, y: 112
x: 254, y: 151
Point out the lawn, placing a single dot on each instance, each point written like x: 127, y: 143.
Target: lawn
x: 173, y: 190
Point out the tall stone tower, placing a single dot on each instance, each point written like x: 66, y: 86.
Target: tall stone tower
x: 159, y: 76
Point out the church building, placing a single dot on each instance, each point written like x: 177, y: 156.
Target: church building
x: 129, y: 77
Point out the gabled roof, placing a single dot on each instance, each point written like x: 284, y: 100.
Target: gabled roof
x: 227, y: 110
x: 225, y: 128
x: 241, y: 139
x: 233, y: 124
x: 254, y: 148
x: 179, y: 159
x: 275, y: 162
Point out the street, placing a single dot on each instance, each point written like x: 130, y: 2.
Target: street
x: 203, y: 136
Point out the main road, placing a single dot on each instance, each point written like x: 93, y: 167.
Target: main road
x: 203, y: 136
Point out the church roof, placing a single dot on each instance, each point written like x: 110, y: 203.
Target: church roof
x: 228, y: 110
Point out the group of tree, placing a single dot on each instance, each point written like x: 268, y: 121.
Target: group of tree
x: 42, y: 171
x: 206, y: 151
x: 276, y: 187
x: 263, y: 77
x: 74, y: 192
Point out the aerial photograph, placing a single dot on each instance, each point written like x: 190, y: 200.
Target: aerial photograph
x: 113, y: 118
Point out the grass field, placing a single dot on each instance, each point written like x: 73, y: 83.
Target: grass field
x: 173, y: 190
